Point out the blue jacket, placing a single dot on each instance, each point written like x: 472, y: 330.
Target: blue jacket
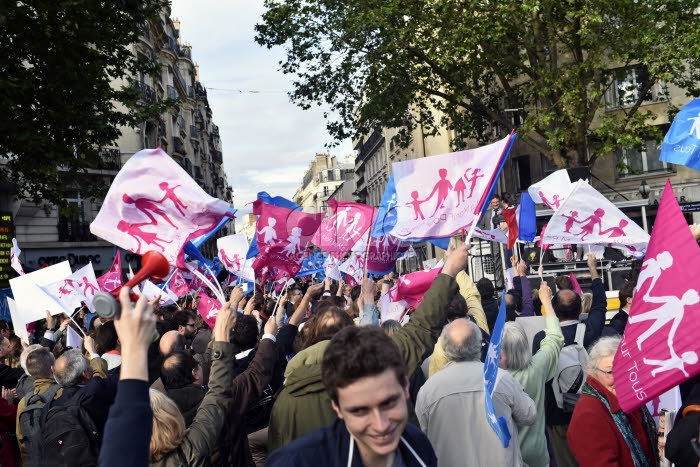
x: 331, y: 446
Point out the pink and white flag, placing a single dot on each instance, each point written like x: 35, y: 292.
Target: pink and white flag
x: 391, y: 310
x: 332, y: 268
x: 438, y: 196
x: 208, y: 308
x: 290, y: 229
x: 494, y: 235
x: 112, y: 279
x: 354, y: 266
x: 412, y: 287
x: 275, y: 263
x: 344, y: 228
x: 552, y: 190
x: 575, y: 285
x: 587, y: 216
x: 153, y: 204
x: 178, y: 284
x: 659, y: 347
x: 232, y: 254
x: 14, y: 258
x: 81, y: 286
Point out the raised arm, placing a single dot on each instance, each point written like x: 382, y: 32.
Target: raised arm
x: 471, y: 295
x: 599, y: 305
x: 527, y: 308
x: 547, y: 356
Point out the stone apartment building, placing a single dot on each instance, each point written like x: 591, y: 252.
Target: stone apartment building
x: 186, y: 132
x: 324, y: 175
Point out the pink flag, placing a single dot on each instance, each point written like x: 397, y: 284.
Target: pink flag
x: 412, y: 287
x: 14, y: 258
x: 112, y: 279
x: 208, y: 308
x: 659, y: 347
x: 153, y: 204
x: 275, y: 263
x: 178, y: 284
x: 381, y: 253
x: 342, y: 230
x: 575, y: 284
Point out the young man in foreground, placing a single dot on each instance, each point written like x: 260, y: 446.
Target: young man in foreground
x: 365, y: 377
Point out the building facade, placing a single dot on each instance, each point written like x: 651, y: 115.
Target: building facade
x: 186, y: 132
x: 324, y: 175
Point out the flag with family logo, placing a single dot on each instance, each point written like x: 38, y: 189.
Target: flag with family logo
x: 586, y: 216
x: 112, y: 279
x: 437, y: 196
x: 552, y: 190
x: 154, y: 205
x: 385, y: 220
x: 208, y: 308
x: 381, y: 253
x: 659, y: 346
x: 493, y: 358
x: 81, y: 286
x: 344, y: 228
x: 178, y: 283
x: 682, y: 142
x: 312, y: 263
x: 354, y: 266
x: 232, y: 255
x: 278, y: 201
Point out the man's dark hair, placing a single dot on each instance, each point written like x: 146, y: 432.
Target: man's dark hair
x: 245, y: 332
x: 106, y: 338
x: 626, y: 291
x: 358, y: 352
x: 39, y: 363
x: 563, y: 283
x: 327, y: 320
x: 495, y: 196
x: 177, y: 368
x: 355, y: 293
x: 485, y: 288
x: 181, y: 318
x: 566, y: 304
x: 4, y: 325
x: 457, y: 308
x: 337, y: 301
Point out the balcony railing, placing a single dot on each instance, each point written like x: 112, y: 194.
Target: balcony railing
x: 74, y: 230
x: 194, y: 132
x: 172, y: 45
x: 172, y: 92
x: 198, y: 173
x: 178, y: 76
x: 179, y: 146
x: 181, y: 123
x: 112, y: 158
x: 149, y: 94
x: 217, y: 156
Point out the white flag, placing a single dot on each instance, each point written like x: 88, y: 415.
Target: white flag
x: 73, y: 339
x: 353, y: 266
x: 81, y: 286
x: 14, y: 258
x: 589, y: 217
x: 232, y: 255
x: 151, y: 291
x: 551, y: 190
x: 331, y: 267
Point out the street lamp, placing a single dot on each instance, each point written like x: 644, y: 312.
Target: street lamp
x: 644, y: 189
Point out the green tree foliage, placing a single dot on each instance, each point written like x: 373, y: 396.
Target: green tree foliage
x: 58, y: 63
x: 460, y: 64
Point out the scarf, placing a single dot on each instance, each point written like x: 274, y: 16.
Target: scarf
x: 624, y: 427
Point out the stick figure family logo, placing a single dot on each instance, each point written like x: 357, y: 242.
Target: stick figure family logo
x: 232, y: 264
x: 554, y: 203
x: 589, y: 224
x: 671, y: 310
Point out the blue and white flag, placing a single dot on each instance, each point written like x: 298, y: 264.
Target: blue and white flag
x: 493, y: 357
x: 312, y: 264
x: 682, y: 142
x: 385, y: 220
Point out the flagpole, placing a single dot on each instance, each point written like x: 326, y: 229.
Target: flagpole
x: 169, y: 277
x: 219, y: 295
x: 284, y: 289
x: 216, y: 281
x: 364, y: 267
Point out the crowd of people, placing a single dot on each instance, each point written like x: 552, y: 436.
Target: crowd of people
x: 314, y: 377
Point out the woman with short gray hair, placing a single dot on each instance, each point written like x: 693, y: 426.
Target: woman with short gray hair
x: 600, y: 433
x: 533, y: 371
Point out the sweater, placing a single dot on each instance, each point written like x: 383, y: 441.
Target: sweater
x: 594, y: 438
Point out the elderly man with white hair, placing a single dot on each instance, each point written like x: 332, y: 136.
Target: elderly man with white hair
x: 533, y: 371
x: 451, y: 408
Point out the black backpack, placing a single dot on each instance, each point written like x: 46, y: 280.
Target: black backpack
x: 69, y: 435
x: 30, y: 422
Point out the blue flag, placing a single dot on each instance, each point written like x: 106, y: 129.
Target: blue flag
x: 312, y: 264
x: 493, y: 357
x: 192, y: 247
x: 682, y: 142
x: 527, y: 222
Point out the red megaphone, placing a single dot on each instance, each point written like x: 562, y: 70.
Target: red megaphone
x: 153, y: 266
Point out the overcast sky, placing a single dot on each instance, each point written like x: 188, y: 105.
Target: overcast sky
x: 267, y: 141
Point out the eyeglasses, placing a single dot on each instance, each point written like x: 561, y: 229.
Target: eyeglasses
x: 609, y: 373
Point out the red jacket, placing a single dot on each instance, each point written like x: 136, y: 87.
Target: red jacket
x: 593, y: 436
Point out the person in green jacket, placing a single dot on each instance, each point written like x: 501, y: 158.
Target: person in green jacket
x: 171, y: 445
x: 533, y: 371
x: 303, y: 405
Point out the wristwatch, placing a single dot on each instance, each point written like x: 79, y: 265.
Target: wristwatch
x: 216, y: 355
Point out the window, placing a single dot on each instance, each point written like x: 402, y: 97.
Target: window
x: 325, y: 191
x: 627, y: 85
x: 633, y: 161
x: 548, y: 166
